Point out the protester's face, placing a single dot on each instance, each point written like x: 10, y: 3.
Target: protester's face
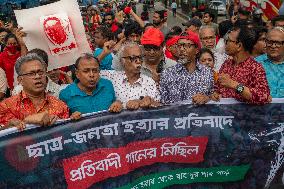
x: 194, y: 9
x: 88, y: 73
x: 187, y: 49
x: 208, y: 38
x: 134, y: 37
x: 33, y: 77
x: 260, y: 45
x: 156, y: 19
x: 132, y: 60
x: 2, y: 36
x: 207, y: 59
x: 54, y: 75
x: 108, y: 20
x: 275, y: 44
x: 153, y: 53
x: 231, y: 43
x: 99, y: 39
x: 279, y: 24
x: 12, y: 42
x: 89, y: 11
x: 207, y: 18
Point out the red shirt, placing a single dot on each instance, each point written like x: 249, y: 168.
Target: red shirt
x: 7, y: 63
x: 250, y: 74
x: 20, y: 106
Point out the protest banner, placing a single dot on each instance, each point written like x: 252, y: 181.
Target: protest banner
x: 56, y: 28
x: 221, y: 145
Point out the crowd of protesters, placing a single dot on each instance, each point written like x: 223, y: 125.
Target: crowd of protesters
x: 137, y: 63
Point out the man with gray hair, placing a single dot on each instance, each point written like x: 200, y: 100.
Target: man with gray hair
x: 33, y: 105
x: 208, y: 40
x: 132, y: 88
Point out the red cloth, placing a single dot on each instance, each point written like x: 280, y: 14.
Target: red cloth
x: 250, y: 74
x: 7, y: 63
x: 114, y: 28
x: 192, y: 37
x: 152, y: 36
x: 20, y: 106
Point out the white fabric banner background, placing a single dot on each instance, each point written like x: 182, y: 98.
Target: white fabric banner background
x: 29, y: 19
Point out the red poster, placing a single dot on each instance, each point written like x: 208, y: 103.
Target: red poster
x: 91, y: 167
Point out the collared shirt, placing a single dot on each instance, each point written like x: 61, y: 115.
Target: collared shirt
x: 77, y: 100
x: 177, y: 84
x: 51, y: 88
x: 106, y: 62
x: 250, y: 74
x: 20, y: 106
x: 274, y: 75
x: 124, y: 91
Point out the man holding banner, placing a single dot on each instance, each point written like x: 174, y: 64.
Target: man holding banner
x: 33, y: 105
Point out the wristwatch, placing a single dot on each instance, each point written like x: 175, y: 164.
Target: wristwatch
x: 240, y: 88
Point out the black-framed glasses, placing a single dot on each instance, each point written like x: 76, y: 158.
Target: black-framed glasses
x: 185, y: 45
x: 277, y: 44
x: 33, y: 74
x: 134, y: 58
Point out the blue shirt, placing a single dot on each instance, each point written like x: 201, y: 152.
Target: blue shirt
x: 274, y: 75
x: 106, y: 62
x: 77, y: 100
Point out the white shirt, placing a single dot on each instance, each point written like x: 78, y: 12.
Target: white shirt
x: 51, y: 88
x: 174, y: 5
x: 219, y: 60
x: 3, y: 81
x: 124, y: 91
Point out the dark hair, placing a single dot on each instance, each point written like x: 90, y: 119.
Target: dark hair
x: 105, y: 32
x: 177, y: 30
x: 131, y: 28
x: 40, y: 53
x: 109, y: 14
x: 161, y: 13
x: 259, y: 30
x: 247, y: 37
x: 277, y: 18
x: 86, y: 56
x: 199, y: 14
x: 210, y: 14
x: 224, y: 27
x: 8, y: 36
x: 204, y: 50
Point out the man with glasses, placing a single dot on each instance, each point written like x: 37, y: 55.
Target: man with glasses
x: 278, y: 21
x: 188, y: 80
x: 89, y: 93
x: 208, y: 40
x: 132, y: 88
x: 242, y: 77
x: 273, y: 61
x: 33, y: 105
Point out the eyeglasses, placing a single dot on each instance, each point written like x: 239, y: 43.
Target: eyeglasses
x: 208, y: 38
x: 277, y: 44
x: 134, y: 58
x: 185, y: 45
x: 33, y: 74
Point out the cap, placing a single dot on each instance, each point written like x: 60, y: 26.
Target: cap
x: 152, y: 36
x: 194, y: 22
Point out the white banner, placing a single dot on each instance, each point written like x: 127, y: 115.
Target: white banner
x: 56, y: 28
